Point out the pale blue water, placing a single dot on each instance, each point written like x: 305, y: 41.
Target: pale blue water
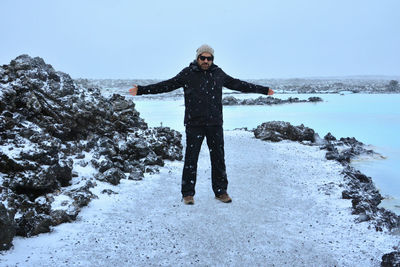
x: 372, y: 119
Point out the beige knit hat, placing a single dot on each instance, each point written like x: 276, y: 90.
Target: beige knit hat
x: 204, y: 49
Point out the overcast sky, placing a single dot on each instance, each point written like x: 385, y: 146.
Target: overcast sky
x: 252, y: 39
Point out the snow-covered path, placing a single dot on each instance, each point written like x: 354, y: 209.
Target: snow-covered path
x: 286, y: 211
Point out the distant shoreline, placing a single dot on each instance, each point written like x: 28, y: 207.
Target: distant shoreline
x: 355, y: 84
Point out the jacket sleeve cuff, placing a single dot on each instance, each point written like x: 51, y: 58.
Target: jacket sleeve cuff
x: 140, y: 90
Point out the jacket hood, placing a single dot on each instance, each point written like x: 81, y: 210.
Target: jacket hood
x: 195, y: 67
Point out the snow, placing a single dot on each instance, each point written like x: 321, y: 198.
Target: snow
x: 286, y: 211
x: 61, y: 202
x: 83, y: 166
x: 31, y: 125
x: 14, y: 152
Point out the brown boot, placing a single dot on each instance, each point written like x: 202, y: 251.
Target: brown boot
x: 224, y: 198
x: 188, y: 200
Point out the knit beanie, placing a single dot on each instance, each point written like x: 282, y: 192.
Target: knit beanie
x: 204, y: 49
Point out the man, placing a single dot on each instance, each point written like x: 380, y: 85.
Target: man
x: 202, y: 82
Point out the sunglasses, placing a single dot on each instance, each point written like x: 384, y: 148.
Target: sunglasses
x: 202, y: 58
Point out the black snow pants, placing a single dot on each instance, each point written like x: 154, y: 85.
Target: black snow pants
x: 215, y: 142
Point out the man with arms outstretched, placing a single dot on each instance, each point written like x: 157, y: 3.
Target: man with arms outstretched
x: 202, y: 82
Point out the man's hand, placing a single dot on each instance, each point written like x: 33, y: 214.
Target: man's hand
x: 270, y: 91
x: 133, y: 90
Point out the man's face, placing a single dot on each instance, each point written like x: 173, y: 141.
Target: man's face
x: 205, y: 60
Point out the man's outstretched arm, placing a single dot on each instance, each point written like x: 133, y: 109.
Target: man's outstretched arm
x: 157, y: 88
x: 246, y: 87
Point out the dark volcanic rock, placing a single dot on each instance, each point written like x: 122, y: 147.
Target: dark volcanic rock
x: 277, y: 131
x: 345, y: 149
x: 364, y: 195
x: 136, y: 175
x: 391, y: 259
x: 112, y: 176
x: 231, y: 101
x: 50, y: 127
x: 361, y: 190
x: 7, y: 228
x: 32, y: 223
x: 60, y: 216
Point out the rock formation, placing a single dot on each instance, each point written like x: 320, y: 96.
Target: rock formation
x: 232, y: 101
x: 277, y: 131
x: 50, y: 129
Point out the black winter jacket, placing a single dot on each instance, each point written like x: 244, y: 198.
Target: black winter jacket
x: 203, y: 92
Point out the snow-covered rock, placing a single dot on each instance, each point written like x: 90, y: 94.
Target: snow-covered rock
x: 53, y: 130
x: 231, y: 101
x: 7, y: 226
x: 391, y: 259
x: 279, y: 130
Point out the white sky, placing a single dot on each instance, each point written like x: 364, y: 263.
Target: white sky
x: 252, y: 39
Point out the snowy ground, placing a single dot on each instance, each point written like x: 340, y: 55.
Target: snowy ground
x: 286, y: 211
